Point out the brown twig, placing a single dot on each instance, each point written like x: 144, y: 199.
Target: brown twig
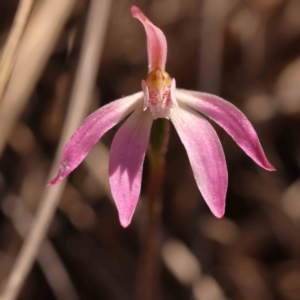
x: 80, y: 98
x: 12, y: 44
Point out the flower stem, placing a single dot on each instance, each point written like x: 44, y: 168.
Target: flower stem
x: 148, y: 274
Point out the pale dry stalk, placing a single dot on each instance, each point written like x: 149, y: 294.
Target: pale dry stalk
x: 11, y: 47
x: 80, y: 99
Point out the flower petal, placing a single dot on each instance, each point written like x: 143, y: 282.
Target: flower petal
x: 156, y: 41
x: 126, y: 162
x: 233, y: 121
x: 91, y: 130
x: 206, y: 156
x: 173, y: 93
x: 146, y: 94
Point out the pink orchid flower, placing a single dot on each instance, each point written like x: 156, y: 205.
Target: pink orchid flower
x: 186, y: 110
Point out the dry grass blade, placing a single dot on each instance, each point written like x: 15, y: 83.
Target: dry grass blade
x: 48, y: 259
x: 100, y: 170
x: 39, y: 39
x: 80, y: 99
x: 11, y: 47
x: 211, y: 45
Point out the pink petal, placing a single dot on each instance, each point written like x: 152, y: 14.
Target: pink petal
x: 173, y: 93
x: 233, y: 121
x: 206, y: 156
x: 156, y: 41
x: 146, y: 94
x: 126, y: 162
x: 91, y: 130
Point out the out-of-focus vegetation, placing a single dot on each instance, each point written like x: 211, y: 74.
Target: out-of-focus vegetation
x: 246, y: 51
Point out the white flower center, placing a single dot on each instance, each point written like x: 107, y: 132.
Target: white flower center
x: 159, y: 93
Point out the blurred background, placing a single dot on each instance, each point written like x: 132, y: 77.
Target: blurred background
x: 246, y: 51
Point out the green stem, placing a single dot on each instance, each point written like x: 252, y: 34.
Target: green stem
x: 148, y: 283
